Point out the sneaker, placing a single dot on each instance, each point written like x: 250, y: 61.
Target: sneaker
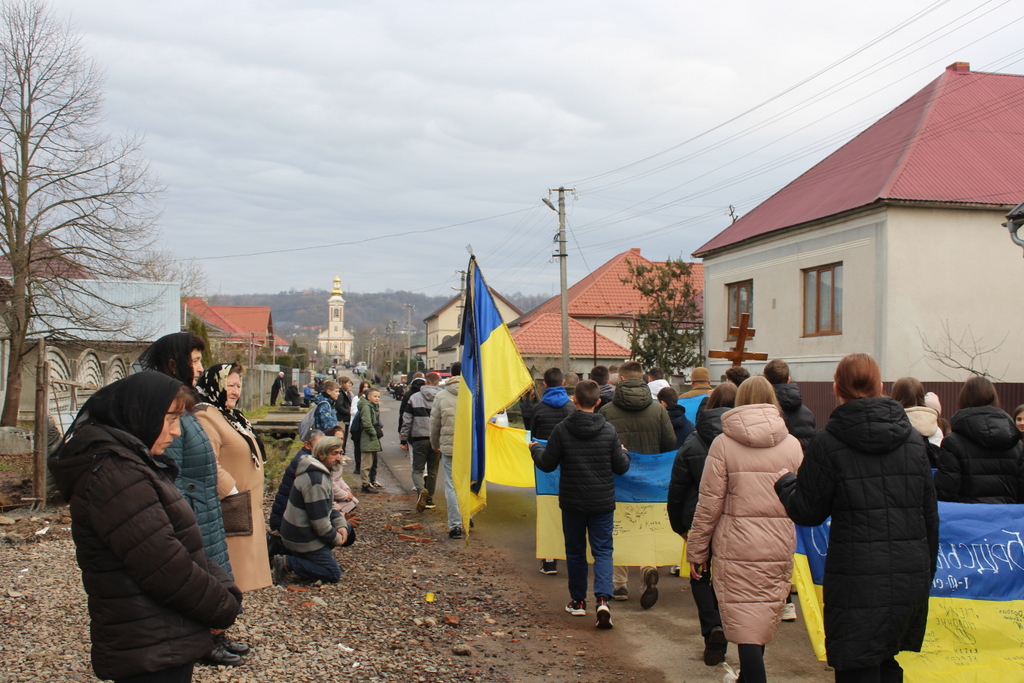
x: 377, y: 485
x: 650, y: 593
x: 279, y: 569
x: 430, y: 504
x: 455, y: 532
x: 368, y: 489
x: 714, y: 647
x: 577, y: 608
x: 789, y: 612
x: 549, y: 566
x: 604, y: 614
x: 674, y: 571
x: 731, y: 675
x: 620, y: 594
x: 421, y: 502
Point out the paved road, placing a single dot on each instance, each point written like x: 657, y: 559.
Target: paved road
x: 665, y: 638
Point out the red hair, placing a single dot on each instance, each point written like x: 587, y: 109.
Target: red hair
x: 858, y: 376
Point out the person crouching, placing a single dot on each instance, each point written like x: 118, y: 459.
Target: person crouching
x: 311, y: 527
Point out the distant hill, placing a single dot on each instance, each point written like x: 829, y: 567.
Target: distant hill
x: 295, y: 311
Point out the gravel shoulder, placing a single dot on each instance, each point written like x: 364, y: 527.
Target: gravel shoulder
x: 380, y: 623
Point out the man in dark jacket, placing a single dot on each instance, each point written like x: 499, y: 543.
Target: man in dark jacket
x: 291, y: 394
x: 284, y: 489
x: 602, y: 376
x: 277, y: 388
x: 587, y: 448
x: 669, y: 399
x: 415, y: 431
x: 311, y: 526
x: 643, y: 426
x: 343, y: 409
x: 799, y: 418
x: 554, y: 406
x: 403, y: 410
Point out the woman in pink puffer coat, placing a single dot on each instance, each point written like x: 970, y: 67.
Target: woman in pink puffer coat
x: 740, y: 520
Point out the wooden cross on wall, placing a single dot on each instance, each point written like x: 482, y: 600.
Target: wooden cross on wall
x: 737, y: 355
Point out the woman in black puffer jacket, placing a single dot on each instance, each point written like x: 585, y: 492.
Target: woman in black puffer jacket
x: 683, y: 494
x: 982, y: 460
x: 869, y: 470
x: 153, y: 593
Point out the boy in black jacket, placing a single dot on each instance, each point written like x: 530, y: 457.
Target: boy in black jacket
x: 587, y: 448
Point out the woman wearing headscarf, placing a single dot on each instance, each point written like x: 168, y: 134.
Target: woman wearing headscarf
x: 179, y: 355
x: 240, y: 459
x: 153, y: 592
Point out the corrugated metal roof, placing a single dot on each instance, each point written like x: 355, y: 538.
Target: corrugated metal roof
x: 603, y: 292
x: 542, y: 335
x: 112, y: 310
x: 960, y: 139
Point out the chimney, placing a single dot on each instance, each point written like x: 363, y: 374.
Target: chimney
x: 959, y: 67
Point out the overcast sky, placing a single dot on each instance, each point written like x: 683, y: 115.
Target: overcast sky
x: 277, y: 126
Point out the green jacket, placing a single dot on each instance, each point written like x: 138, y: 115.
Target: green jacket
x: 369, y: 418
x: 642, y: 423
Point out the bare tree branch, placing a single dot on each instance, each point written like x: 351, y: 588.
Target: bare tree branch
x: 964, y: 353
x: 75, y: 205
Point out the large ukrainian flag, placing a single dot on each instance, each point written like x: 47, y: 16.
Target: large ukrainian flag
x: 975, y: 631
x: 493, y: 378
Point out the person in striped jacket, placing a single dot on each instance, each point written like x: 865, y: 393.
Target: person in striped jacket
x: 311, y: 527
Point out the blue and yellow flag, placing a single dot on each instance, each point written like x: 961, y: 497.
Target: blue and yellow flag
x: 493, y: 378
x: 975, y: 626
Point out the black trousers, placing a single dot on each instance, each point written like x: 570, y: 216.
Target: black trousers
x: 706, y: 601
x: 180, y: 674
x: 889, y: 671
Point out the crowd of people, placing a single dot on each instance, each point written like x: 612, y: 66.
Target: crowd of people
x: 750, y: 463
x: 165, y: 479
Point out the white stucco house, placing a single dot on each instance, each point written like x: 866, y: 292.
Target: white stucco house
x: 890, y: 245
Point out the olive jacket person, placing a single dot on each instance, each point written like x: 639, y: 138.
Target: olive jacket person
x: 153, y: 592
x: 643, y: 424
x: 981, y: 460
x: 868, y: 469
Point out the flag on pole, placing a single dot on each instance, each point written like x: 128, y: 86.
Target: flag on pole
x: 493, y: 378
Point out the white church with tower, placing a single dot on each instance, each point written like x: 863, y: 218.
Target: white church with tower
x: 335, y: 343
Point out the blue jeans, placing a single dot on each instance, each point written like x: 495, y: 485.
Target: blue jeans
x: 319, y: 564
x: 576, y: 526
x: 450, y: 497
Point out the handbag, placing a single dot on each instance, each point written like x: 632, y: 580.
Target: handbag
x: 237, y: 512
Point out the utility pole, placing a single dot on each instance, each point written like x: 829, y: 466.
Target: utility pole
x: 563, y: 276
x: 408, y: 334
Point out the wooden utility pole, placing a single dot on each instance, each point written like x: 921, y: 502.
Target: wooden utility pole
x: 39, y: 451
x: 562, y: 274
x: 408, y: 335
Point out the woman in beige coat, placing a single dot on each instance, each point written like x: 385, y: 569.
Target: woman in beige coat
x: 740, y: 516
x: 240, y: 459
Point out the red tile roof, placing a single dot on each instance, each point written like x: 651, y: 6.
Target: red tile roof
x: 603, y: 292
x: 960, y: 140
x: 542, y: 335
x: 236, y: 322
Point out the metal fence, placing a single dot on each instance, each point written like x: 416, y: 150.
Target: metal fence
x: 820, y: 399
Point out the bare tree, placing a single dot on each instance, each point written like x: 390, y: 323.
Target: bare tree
x: 962, y: 353
x: 74, y: 203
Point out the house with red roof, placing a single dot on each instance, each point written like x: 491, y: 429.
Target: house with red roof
x: 602, y: 309
x: 248, y: 330
x: 444, y: 325
x: 892, y: 245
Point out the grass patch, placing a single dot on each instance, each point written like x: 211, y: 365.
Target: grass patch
x: 258, y: 413
x: 279, y: 454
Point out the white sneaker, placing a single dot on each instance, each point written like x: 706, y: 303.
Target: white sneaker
x: 789, y: 612
x: 731, y: 675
